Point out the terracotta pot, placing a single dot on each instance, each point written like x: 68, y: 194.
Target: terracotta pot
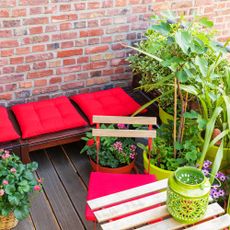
x: 120, y: 170
x: 158, y: 172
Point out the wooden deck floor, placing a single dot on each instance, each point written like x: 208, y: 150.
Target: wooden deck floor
x: 61, y: 204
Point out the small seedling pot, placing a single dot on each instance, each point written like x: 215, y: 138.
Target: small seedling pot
x: 188, y: 194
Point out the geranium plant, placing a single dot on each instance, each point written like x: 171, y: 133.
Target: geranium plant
x: 114, y: 151
x: 17, y: 182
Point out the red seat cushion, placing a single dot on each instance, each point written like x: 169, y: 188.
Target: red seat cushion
x: 47, y: 116
x: 111, y: 102
x: 7, y: 131
x: 101, y: 184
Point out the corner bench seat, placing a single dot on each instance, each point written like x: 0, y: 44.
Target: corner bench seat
x: 110, y: 102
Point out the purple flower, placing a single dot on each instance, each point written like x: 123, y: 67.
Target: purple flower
x: 132, y: 156
x: 221, y: 193
x: 214, y: 194
x: 205, y: 171
x: 221, y: 176
x: 121, y: 126
x: 133, y: 148
x: 207, y: 164
x: 118, y: 146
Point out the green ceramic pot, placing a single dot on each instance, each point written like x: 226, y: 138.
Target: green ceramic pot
x: 164, y: 116
x: 188, y: 194
x: 158, y: 172
x: 211, y: 154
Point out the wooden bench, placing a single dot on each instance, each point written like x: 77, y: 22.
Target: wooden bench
x: 108, y: 209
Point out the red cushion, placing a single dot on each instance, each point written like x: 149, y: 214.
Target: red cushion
x: 47, y: 116
x: 101, y: 184
x: 7, y: 131
x: 111, y: 102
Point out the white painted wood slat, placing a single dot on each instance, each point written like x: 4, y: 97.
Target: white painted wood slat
x: 127, y: 194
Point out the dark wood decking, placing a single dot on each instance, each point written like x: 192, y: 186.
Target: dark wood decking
x: 61, y: 204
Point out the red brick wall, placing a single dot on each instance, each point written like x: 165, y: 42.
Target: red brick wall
x: 62, y: 47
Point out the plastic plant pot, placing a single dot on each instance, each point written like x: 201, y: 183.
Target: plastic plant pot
x: 188, y: 194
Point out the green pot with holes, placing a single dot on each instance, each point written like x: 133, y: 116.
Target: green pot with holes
x: 188, y: 194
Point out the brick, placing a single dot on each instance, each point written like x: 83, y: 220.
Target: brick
x: 36, y: 30
x: 25, y: 84
x: 97, y: 49
x: 10, y: 87
x: 72, y: 85
x: 11, y: 78
x: 60, y: 18
x: 117, y: 46
x: 95, y: 65
x: 36, y: 10
x: 66, y: 26
x: 4, y: 13
x: 80, y: 6
x: 69, y: 61
x: 8, y: 3
x: 38, y: 48
x: 67, y: 44
x: 8, y: 69
x: 93, y: 5
x: 11, y: 23
x: 106, y: 39
x: 55, y: 80
x: 71, y: 77
x: 33, y: 2
x: 106, y: 21
x: 120, y: 3
x: 63, y: 36
x: 97, y: 57
x: 139, y: 9
x: 71, y: 69
x: 90, y: 33
x: 93, y: 23
x: 93, y: 14
x: 45, y: 90
x: 51, y: 28
x: 7, y: 53
x: 107, y: 3
x: 20, y: 32
x: 93, y: 41
x: 16, y: 60
x: 39, y: 65
x: 6, y: 96
x: 35, y: 21
x: 40, y: 74
x: 65, y: 7
x: 82, y: 60
x: 54, y: 64
x: 36, y: 39
x: 39, y: 57
x: 18, y: 12
x: 40, y: 82
x: 68, y: 53
x: 23, y: 94
x: 23, y: 50
x: 22, y: 68
x: 97, y: 81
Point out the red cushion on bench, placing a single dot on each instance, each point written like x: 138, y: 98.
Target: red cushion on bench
x: 110, y: 102
x: 47, y: 116
x: 7, y: 131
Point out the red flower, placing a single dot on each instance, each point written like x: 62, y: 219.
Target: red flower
x: 90, y: 142
x: 37, y: 188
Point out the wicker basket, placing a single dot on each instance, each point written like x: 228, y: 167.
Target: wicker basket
x: 8, y: 222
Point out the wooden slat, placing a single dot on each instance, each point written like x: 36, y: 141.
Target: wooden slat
x: 137, y: 219
x: 218, y: 223
x: 132, y: 206
x: 25, y: 224
x: 123, y: 133
x: 125, y: 120
x: 127, y: 194
x: 170, y: 223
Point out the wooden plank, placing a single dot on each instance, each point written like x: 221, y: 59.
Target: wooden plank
x: 132, y: 206
x: 170, y: 223
x: 58, y: 198
x: 73, y: 185
x: 79, y: 161
x: 125, y: 120
x: 123, y: 133
x: 218, y: 223
x: 42, y: 214
x: 25, y: 224
x: 138, y: 219
x: 127, y: 194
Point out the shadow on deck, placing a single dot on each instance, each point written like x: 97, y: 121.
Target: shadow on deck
x: 61, y: 205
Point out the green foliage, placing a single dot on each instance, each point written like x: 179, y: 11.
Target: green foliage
x: 114, y: 152
x: 17, y: 182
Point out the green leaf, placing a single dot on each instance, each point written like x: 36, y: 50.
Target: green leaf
x: 218, y: 137
x: 183, y: 39
x: 21, y: 212
x: 202, y: 64
x: 206, y: 22
x: 182, y: 76
x: 32, y: 166
x: 190, y: 156
x: 190, y: 89
x: 23, y: 186
x: 10, y: 189
x: 163, y: 28
x: 14, y: 200
x: 191, y: 115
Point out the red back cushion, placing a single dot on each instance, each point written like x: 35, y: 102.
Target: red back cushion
x: 47, y: 116
x: 101, y: 184
x: 111, y: 102
x: 7, y: 131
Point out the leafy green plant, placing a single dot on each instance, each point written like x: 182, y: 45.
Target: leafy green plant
x: 114, y: 151
x: 17, y: 182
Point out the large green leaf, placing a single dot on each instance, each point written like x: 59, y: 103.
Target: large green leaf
x: 163, y: 28
x: 190, y: 89
x: 202, y: 64
x: 182, y: 76
x: 21, y: 212
x: 206, y: 22
x: 183, y: 39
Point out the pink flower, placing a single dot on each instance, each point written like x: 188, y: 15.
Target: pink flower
x: 2, y: 192
x: 5, y: 182
x: 13, y: 170
x: 118, y: 146
x: 5, y: 156
x: 37, y: 188
x: 39, y: 180
x: 121, y: 126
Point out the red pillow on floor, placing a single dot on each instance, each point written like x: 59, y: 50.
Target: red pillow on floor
x: 7, y: 131
x: 110, y: 102
x: 101, y: 184
x: 47, y: 116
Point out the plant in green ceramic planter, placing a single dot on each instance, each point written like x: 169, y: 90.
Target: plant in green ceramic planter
x: 17, y: 183
x: 115, y: 152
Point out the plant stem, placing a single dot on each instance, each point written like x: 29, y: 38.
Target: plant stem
x: 185, y: 108
x: 182, y: 113
x: 175, y: 116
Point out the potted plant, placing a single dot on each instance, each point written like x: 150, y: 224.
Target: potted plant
x: 116, y: 154
x: 17, y: 183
